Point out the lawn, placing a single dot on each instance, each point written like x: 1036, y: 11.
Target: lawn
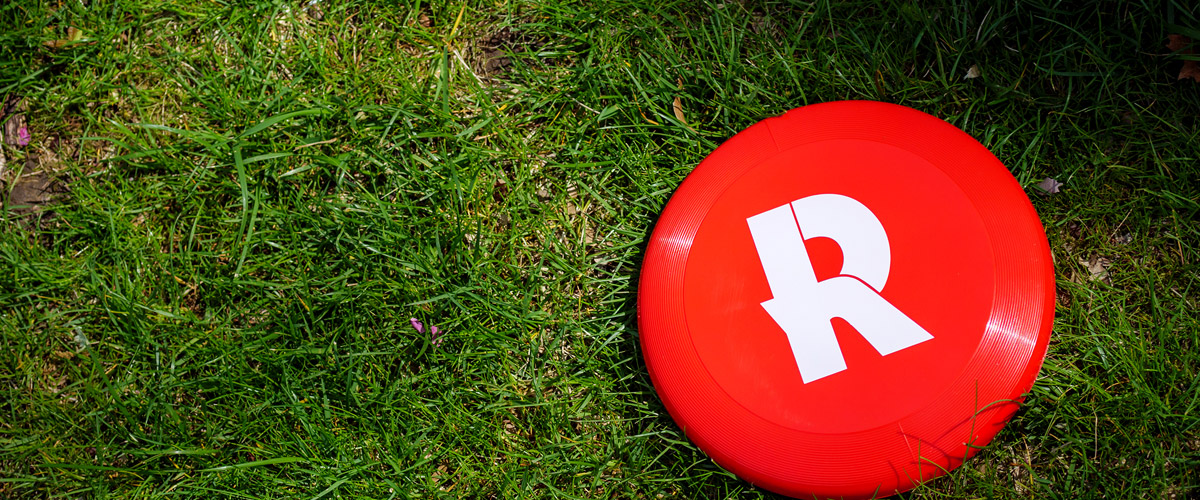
x: 226, y: 214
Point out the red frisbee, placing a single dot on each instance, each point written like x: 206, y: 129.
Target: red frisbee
x: 846, y: 300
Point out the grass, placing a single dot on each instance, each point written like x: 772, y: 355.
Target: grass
x: 248, y: 201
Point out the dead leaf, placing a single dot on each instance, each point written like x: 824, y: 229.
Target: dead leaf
x: 74, y: 35
x: 1190, y: 69
x: 1177, y: 42
x: 677, y: 106
x: 314, y: 10
x: 1182, y: 45
x: 972, y: 72
x: 1050, y: 186
x: 1097, y: 268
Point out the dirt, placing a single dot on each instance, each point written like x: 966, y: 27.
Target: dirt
x: 30, y: 193
x: 489, y: 54
x: 27, y: 194
x: 30, y: 178
x: 490, y: 58
x: 30, y: 200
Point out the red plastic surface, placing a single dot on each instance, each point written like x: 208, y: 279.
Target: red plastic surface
x: 969, y: 263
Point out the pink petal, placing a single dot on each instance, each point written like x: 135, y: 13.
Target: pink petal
x: 435, y: 336
x: 22, y: 136
x: 418, y: 326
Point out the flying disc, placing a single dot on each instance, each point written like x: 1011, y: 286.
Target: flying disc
x: 846, y: 300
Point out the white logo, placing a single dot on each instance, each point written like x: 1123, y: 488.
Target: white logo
x: 803, y: 306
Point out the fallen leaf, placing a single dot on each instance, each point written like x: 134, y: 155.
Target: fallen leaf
x: 972, y: 72
x: 1190, y: 69
x: 1097, y: 267
x: 74, y: 35
x: 1050, y: 186
x: 677, y: 106
x: 1177, y: 42
x: 314, y: 10
x: 1182, y: 45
